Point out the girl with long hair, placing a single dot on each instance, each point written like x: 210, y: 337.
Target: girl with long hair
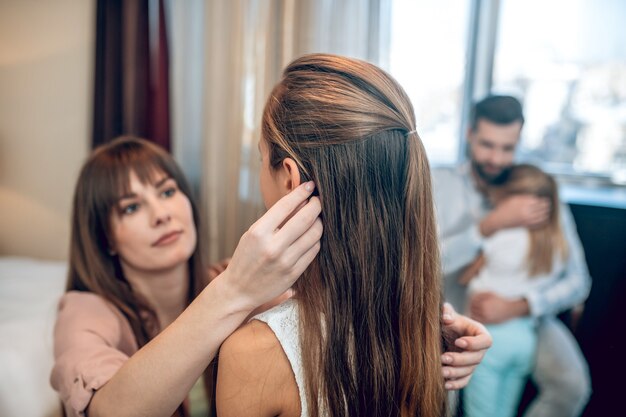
x: 362, y: 335
x: 513, y: 262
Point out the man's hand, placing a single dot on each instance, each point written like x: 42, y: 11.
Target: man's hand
x: 490, y: 308
x: 472, y: 341
x: 516, y: 211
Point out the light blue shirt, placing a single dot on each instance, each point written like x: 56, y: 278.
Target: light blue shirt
x: 460, y: 207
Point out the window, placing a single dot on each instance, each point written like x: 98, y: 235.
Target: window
x: 427, y: 57
x: 566, y: 60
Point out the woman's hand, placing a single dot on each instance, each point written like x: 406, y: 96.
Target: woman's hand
x: 472, y: 341
x: 271, y: 255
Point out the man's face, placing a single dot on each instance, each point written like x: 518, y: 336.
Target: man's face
x: 492, y: 148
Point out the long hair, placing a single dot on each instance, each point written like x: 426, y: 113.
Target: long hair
x: 103, y: 179
x: 371, y: 301
x: 548, y: 240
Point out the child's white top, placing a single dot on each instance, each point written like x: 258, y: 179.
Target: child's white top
x: 506, y: 265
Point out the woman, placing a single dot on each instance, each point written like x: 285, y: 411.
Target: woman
x: 362, y: 335
x: 514, y: 261
x: 139, y: 324
x: 115, y: 353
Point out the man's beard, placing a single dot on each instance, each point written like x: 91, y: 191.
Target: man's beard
x: 491, y: 179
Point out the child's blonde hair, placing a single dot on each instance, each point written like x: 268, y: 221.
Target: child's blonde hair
x: 548, y: 239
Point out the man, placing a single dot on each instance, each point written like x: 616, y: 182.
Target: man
x: 465, y: 217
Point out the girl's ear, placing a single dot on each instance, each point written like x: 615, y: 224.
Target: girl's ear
x: 290, y: 175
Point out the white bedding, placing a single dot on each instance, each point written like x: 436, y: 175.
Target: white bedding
x: 29, y: 291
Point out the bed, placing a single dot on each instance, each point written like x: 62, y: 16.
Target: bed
x: 29, y: 292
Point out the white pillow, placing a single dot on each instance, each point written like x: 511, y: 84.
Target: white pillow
x: 29, y: 292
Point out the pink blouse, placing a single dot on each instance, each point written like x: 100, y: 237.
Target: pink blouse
x: 92, y: 340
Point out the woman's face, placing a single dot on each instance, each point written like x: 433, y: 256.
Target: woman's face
x: 153, y: 227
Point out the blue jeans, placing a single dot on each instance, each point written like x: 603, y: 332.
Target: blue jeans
x: 498, y: 382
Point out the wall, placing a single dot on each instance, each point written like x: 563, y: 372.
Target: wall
x: 46, y: 55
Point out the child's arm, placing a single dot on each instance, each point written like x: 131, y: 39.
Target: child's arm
x: 472, y: 270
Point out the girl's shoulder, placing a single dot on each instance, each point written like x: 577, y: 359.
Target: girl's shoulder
x: 254, y: 373
x: 266, y: 332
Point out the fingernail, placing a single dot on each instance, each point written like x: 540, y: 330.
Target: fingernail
x: 446, y: 373
x: 448, y: 385
x: 461, y: 343
x: 309, y: 186
x: 446, y: 359
x: 447, y: 317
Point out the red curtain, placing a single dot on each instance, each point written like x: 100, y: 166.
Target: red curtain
x: 131, y: 91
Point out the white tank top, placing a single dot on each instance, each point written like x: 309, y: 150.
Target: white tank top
x: 284, y: 322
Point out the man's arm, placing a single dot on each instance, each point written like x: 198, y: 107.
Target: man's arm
x: 573, y: 285
x: 516, y: 211
x: 459, y: 234
x: 460, y: 248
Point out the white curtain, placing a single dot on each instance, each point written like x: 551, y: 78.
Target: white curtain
x: 227, y: 56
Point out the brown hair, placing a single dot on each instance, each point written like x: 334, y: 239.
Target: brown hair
x: 103, y: 179
x: 547, y: 240
x: 501, y: 110
x: 371, y: 301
